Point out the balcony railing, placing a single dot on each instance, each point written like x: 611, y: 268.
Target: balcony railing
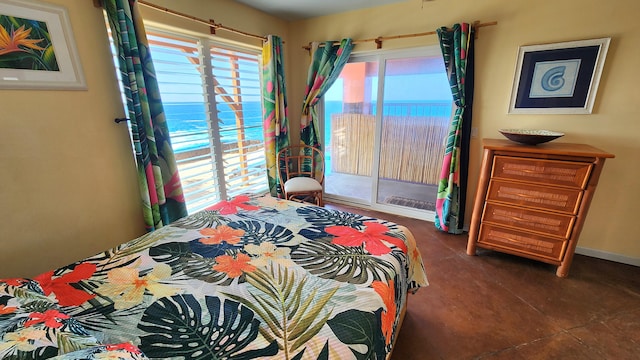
x: 412, y: 145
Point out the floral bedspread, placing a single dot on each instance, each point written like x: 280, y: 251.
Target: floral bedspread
x: 247, y: 278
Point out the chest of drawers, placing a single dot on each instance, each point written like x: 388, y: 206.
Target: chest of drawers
x: 532, y: 200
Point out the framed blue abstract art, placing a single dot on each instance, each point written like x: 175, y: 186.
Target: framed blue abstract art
x: 560, y: 78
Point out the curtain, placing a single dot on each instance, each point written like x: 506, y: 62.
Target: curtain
x: 274, y: 104
x: 457, y: 51
x: 326, y: 64
x: 158, y: 178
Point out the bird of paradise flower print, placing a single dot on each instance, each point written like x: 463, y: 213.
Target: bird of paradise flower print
x: 26, y: 44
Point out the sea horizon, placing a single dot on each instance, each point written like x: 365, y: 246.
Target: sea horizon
x: 187, y: 121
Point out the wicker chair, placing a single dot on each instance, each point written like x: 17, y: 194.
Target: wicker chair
x: 301, y: 172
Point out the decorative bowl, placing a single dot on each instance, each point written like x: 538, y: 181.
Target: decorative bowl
x: 530, y: 137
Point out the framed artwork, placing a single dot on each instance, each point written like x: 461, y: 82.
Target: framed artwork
x: 37, y: 50
x: 560, y: 78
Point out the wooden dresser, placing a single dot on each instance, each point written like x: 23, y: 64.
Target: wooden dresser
x: 532, y: 200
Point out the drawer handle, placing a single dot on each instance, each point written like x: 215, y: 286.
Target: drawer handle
x: 516, y: 218
x: 507, y: 239
x: 510, y: 217
x: 526, y: 196
x: 520, y: 195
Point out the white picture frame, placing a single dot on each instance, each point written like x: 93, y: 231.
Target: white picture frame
x: 41, y: 53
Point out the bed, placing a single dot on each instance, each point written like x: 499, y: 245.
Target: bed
x: 252, y: 277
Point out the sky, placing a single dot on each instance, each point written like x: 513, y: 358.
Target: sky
x: 402, y: 88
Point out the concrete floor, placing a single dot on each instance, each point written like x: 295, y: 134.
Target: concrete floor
x: 359, y: 187
x: 497, y: 306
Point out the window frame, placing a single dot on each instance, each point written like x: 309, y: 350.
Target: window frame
x: 381, y: 56
x: 205, y: 45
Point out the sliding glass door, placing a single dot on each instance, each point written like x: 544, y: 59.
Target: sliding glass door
x: 349, y: 132
x: 385, y: 122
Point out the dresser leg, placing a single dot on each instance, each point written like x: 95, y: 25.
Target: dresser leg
x: 471, y: 248
x: 562, y: 271
x: 478, y: 205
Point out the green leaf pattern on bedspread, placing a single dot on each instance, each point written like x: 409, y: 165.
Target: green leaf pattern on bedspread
x: 252, y: 277
x: 341, y: 263
x: 178, y: 327
x: 285, y: 298
x: 356, y: 327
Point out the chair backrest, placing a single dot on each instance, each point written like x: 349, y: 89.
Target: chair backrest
x: 300, y: 160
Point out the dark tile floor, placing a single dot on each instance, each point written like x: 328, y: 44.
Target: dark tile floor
x: 498, y: 306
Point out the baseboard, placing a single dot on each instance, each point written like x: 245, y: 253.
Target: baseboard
x: 608, y: 256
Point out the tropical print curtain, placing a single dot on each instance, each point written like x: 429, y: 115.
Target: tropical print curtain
x: 158, y: 178
x: 457, y: 50
x: 274, y: 105
x: 326, y: 64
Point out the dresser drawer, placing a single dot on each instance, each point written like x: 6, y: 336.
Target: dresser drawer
x: 536, y: 196
x: 545, y: 223
x: 532, y: 200
x: 553, y: 172
x: 530, y: 245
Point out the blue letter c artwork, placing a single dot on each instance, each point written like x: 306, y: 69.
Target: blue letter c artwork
x: 554, y: 78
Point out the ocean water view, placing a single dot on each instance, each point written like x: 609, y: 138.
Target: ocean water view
x: 404, y: 108
x: 187, y: 121
x: 188, y: 126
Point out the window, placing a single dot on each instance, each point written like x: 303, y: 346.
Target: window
x: 212, y: 102
x: 385, y: 120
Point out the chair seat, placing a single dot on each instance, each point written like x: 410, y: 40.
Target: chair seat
x: 302, y: 184
x: 301, y: 173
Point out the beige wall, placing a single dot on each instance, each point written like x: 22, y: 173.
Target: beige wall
x: 68, y: 184
x: 613, y: 126
x: 226, y: 12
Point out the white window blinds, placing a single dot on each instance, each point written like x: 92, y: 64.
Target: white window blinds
x: 211, y: 97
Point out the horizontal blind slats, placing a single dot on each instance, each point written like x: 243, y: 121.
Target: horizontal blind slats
x: 238, y: 116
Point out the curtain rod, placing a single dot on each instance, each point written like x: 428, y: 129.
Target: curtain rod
x: 380, y: 39
x: 213, y: 26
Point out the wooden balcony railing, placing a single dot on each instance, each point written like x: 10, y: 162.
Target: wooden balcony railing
x: 412, y: 147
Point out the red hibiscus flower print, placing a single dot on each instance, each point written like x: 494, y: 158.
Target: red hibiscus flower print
x: 373, y: 238
x: 234, y: 266
x: 50, y: 318
x: 128, y: 347
x: 231, y: 207
x: 14, y: 282
x: 214, y: 236
x: 66, y: 294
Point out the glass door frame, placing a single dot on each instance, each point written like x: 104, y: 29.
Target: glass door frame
x: 381, y: 56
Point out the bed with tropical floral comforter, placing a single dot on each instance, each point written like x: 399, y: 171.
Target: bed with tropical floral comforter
x: 247, y: 278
